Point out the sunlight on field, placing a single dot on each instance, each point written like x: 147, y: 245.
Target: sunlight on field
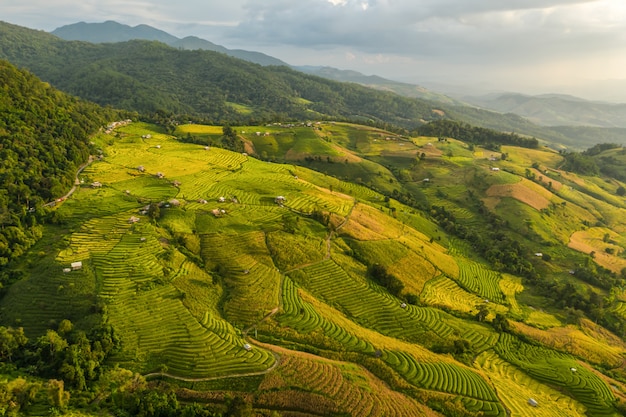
x: 193, y: 128
x: 526, y: 191
x: 515, y: 388
x: 572, y: 340
x: 592, y: 240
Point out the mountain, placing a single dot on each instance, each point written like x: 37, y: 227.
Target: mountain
x: 151, y: 77
x: 159, y: 80
x: 111, y: 31
x: 379, y: 83
x: 556, y: 109
x: 320, y: 268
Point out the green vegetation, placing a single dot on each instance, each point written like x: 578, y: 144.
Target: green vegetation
x: 44, y: 137
x: 321, y: 268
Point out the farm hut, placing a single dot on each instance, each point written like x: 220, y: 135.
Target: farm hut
x: 127, y: 192
x: 76, y: 265
x: 573, y: 369
x: 206, y: 148
x: 202, y: 201
x: 66, y: 270
x: 496, y: 169
x: 174, y: 202
x: 133, y: 219
x: 247, y: 347
x: 280, y: 200
x: 538, y: 254
x: 221, y: 199
x: 142, y: 239
x: 158, y: 146
x: 216, y: 212
x: 96, y: 184
x: 141, y: 168
x: 159, y: 175
x: 532, y: 402
x: 403, y: 305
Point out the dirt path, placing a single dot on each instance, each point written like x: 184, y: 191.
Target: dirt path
x: 213, y: 378
x: 76, y: 183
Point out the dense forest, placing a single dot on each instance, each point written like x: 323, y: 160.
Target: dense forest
x: 476, y: 135
x: 151, y: 77
x: 43, y: 139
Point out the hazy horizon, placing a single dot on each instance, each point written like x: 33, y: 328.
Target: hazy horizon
x: 530, y: 46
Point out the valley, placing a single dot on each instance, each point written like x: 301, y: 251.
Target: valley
x: 217, y: 269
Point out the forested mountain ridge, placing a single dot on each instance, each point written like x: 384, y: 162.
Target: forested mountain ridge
x: 44, y: 137
x: 111, y: 31
x: 149, y: 77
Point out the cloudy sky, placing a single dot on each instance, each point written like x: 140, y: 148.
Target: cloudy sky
x: 533, y: 46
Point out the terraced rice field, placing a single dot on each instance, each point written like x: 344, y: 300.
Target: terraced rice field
x: 515, y: 388
x: 482, y: 281
x: 337, y: 388
x: 449, y: 378
x: 302, y: 316
x: 444, y: 292
x: 250, y: 274
x: 180, y: 289
x: 559, y: 370
x: 369, y: 306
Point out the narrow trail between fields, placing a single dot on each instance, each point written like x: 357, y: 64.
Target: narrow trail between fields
x: 76, y: 183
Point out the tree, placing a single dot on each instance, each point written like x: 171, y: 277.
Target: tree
x: 65, y: 327
x: 483, y: 312
x: 11, y: 341
x: 57, y: 396
x: 621, y: 191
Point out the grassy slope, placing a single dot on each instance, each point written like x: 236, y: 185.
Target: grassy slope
x: 181, y: 291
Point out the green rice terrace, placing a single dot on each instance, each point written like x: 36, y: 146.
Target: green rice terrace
x: 331, y: 269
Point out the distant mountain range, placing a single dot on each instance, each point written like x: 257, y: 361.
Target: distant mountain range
x: 555, y: 109
x: 111, y: 31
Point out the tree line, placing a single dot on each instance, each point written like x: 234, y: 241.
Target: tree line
x: 44, y: 137
x: 474, y: 134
